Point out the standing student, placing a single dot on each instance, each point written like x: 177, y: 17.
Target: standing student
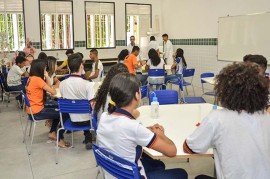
x: 168, y: 49
x: 239, y: 133
x: 179, y: 64
x: 14, y: 76
x: 102, y: 99
x: 129, y: 138
x: 29, y: 49
x: 75, y: 87
x: 97, y: 67
x: 36, y: 90
x: 132, y: 43
x: 153, y: 44
x: 65, y: 62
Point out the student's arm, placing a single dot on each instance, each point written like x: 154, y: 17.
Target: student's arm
x: 95, y: 75
x: 268, y: 109
x: 173, y: 65
x: 49, y: 89
x: 201, y: 139
x: 135, y: 63
x: 47, y: 78
x: 56, y: 82
x: 26, y: 74
x: 63, y: 65
x: 163, y: 144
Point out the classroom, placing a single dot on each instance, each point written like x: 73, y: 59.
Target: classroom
x: 132, y: 89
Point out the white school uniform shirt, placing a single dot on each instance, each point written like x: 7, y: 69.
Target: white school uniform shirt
x: 179, y: 66
x: 241, y: 143
x: 75, y: 87
x: 14, y: 76
x: 105, y: 108
x: 128, y: 137
x: 97, y: 65
x: 153, y: 44
x: 168, y: 49
x: 159, y: 66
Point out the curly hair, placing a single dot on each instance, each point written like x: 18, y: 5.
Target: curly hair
x: 240, y: 87
x: 101, y: 95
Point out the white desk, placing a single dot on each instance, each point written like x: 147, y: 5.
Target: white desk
x: 179, y: 121
x: 96, y: 87
x: 210, y: 80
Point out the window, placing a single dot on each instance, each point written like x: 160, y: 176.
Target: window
x: 12, y: 23
x: 100, y: 24
x: 56, y: 25
x: 138, y: 20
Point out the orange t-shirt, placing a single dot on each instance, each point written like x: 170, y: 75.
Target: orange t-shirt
x: 34, y: 92
x: 130, y: 62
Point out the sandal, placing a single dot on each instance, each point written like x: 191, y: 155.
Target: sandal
x: 63, y: 144
x: 52, y: 136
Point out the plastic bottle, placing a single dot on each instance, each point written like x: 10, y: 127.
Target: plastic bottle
x: 155, y: 107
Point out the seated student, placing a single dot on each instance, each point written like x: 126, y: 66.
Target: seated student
x: 75, y: 87
x: 262, y: 62
x: 131, y: 62
x: 65, y: 62
x: 178, y: 65
x: 97, y: 67
x: 15, y: 75
x: 102, y: 99
x: 123, y: 55
x: 52, y: 66
x: 129, y: 138
x: 36, y: 93
x: 42, y: 56
x: 239, y: 133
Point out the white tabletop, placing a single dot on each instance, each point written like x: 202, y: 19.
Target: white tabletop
x: 210, y: 80
x: 96, y: 87
x: 179, y: 121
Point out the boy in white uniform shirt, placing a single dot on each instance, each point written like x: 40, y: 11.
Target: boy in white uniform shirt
x: 239, y: 133
x: 153, y: 44
x: 14, y: 76
x: 97, y: 67
x: 75, y: 87
x: 168, y: 50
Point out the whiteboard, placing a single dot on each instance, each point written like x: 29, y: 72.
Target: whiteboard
x: 242, y: 35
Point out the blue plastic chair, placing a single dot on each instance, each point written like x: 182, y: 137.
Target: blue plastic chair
x: 94, y: 121
x: 71, y: 106
x: 144, y: 91
x: 209, y: 93
x: 31, y: 118
x: 156, y: 77
x: 188, y: 73
x: 24, y: 80
x: 165, y: 96
x: 115, y: 165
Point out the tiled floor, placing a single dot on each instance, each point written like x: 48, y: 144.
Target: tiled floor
x: 74, y: 163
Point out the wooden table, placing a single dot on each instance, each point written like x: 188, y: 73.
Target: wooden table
x: 179, y: 121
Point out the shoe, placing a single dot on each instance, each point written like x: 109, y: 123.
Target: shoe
x: 88, y: 146
x: 88, y: 141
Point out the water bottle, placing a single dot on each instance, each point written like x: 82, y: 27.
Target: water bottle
x: 214, y: 107
x: 155, y: 107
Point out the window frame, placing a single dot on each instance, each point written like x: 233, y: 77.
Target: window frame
x: 86, y: 40
x: 24, y: 28
x: 151, y: 16
x: 72, y: 13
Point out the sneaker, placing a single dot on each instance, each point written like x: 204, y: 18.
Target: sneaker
x: 88, y: 146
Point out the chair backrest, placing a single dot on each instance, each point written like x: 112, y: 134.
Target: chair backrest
x: 115, y: 165
x: 144, y: 91
x: 194, y: 100
x: 76, y: 106
x: 188, y: 72
x: 165, y: 96
x: 156, y: 72
x: 94, y: 120
x: 4, y: 81
x: 206, y: 75
x: 26, y: 100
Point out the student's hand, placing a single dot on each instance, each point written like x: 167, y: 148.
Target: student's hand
x: 157, y: 126
x: 157, y: 129
x: 46, y: 73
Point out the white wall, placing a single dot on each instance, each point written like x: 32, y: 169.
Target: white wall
x: 199, y: 19
x: 33, y: 32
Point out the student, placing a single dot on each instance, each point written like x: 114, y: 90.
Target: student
x: 179, y: 64
x: 239, y: 133
x: 65, y: 62
x: 132, y: 43
x: 97, y: 67
x: 123, y: 55
x: 131, y: 62
x: 29, y: 49
x: 36, y: 89
x: 14, y: 76
x: 52, y: 66
x: 168, y: 50
x: 129, y: 138
x: 258, y: 59
x: 154, y: 61
x: 42, y: 56
x: 102, y: 99
x: 153, y: 44
x: 75, y: 87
